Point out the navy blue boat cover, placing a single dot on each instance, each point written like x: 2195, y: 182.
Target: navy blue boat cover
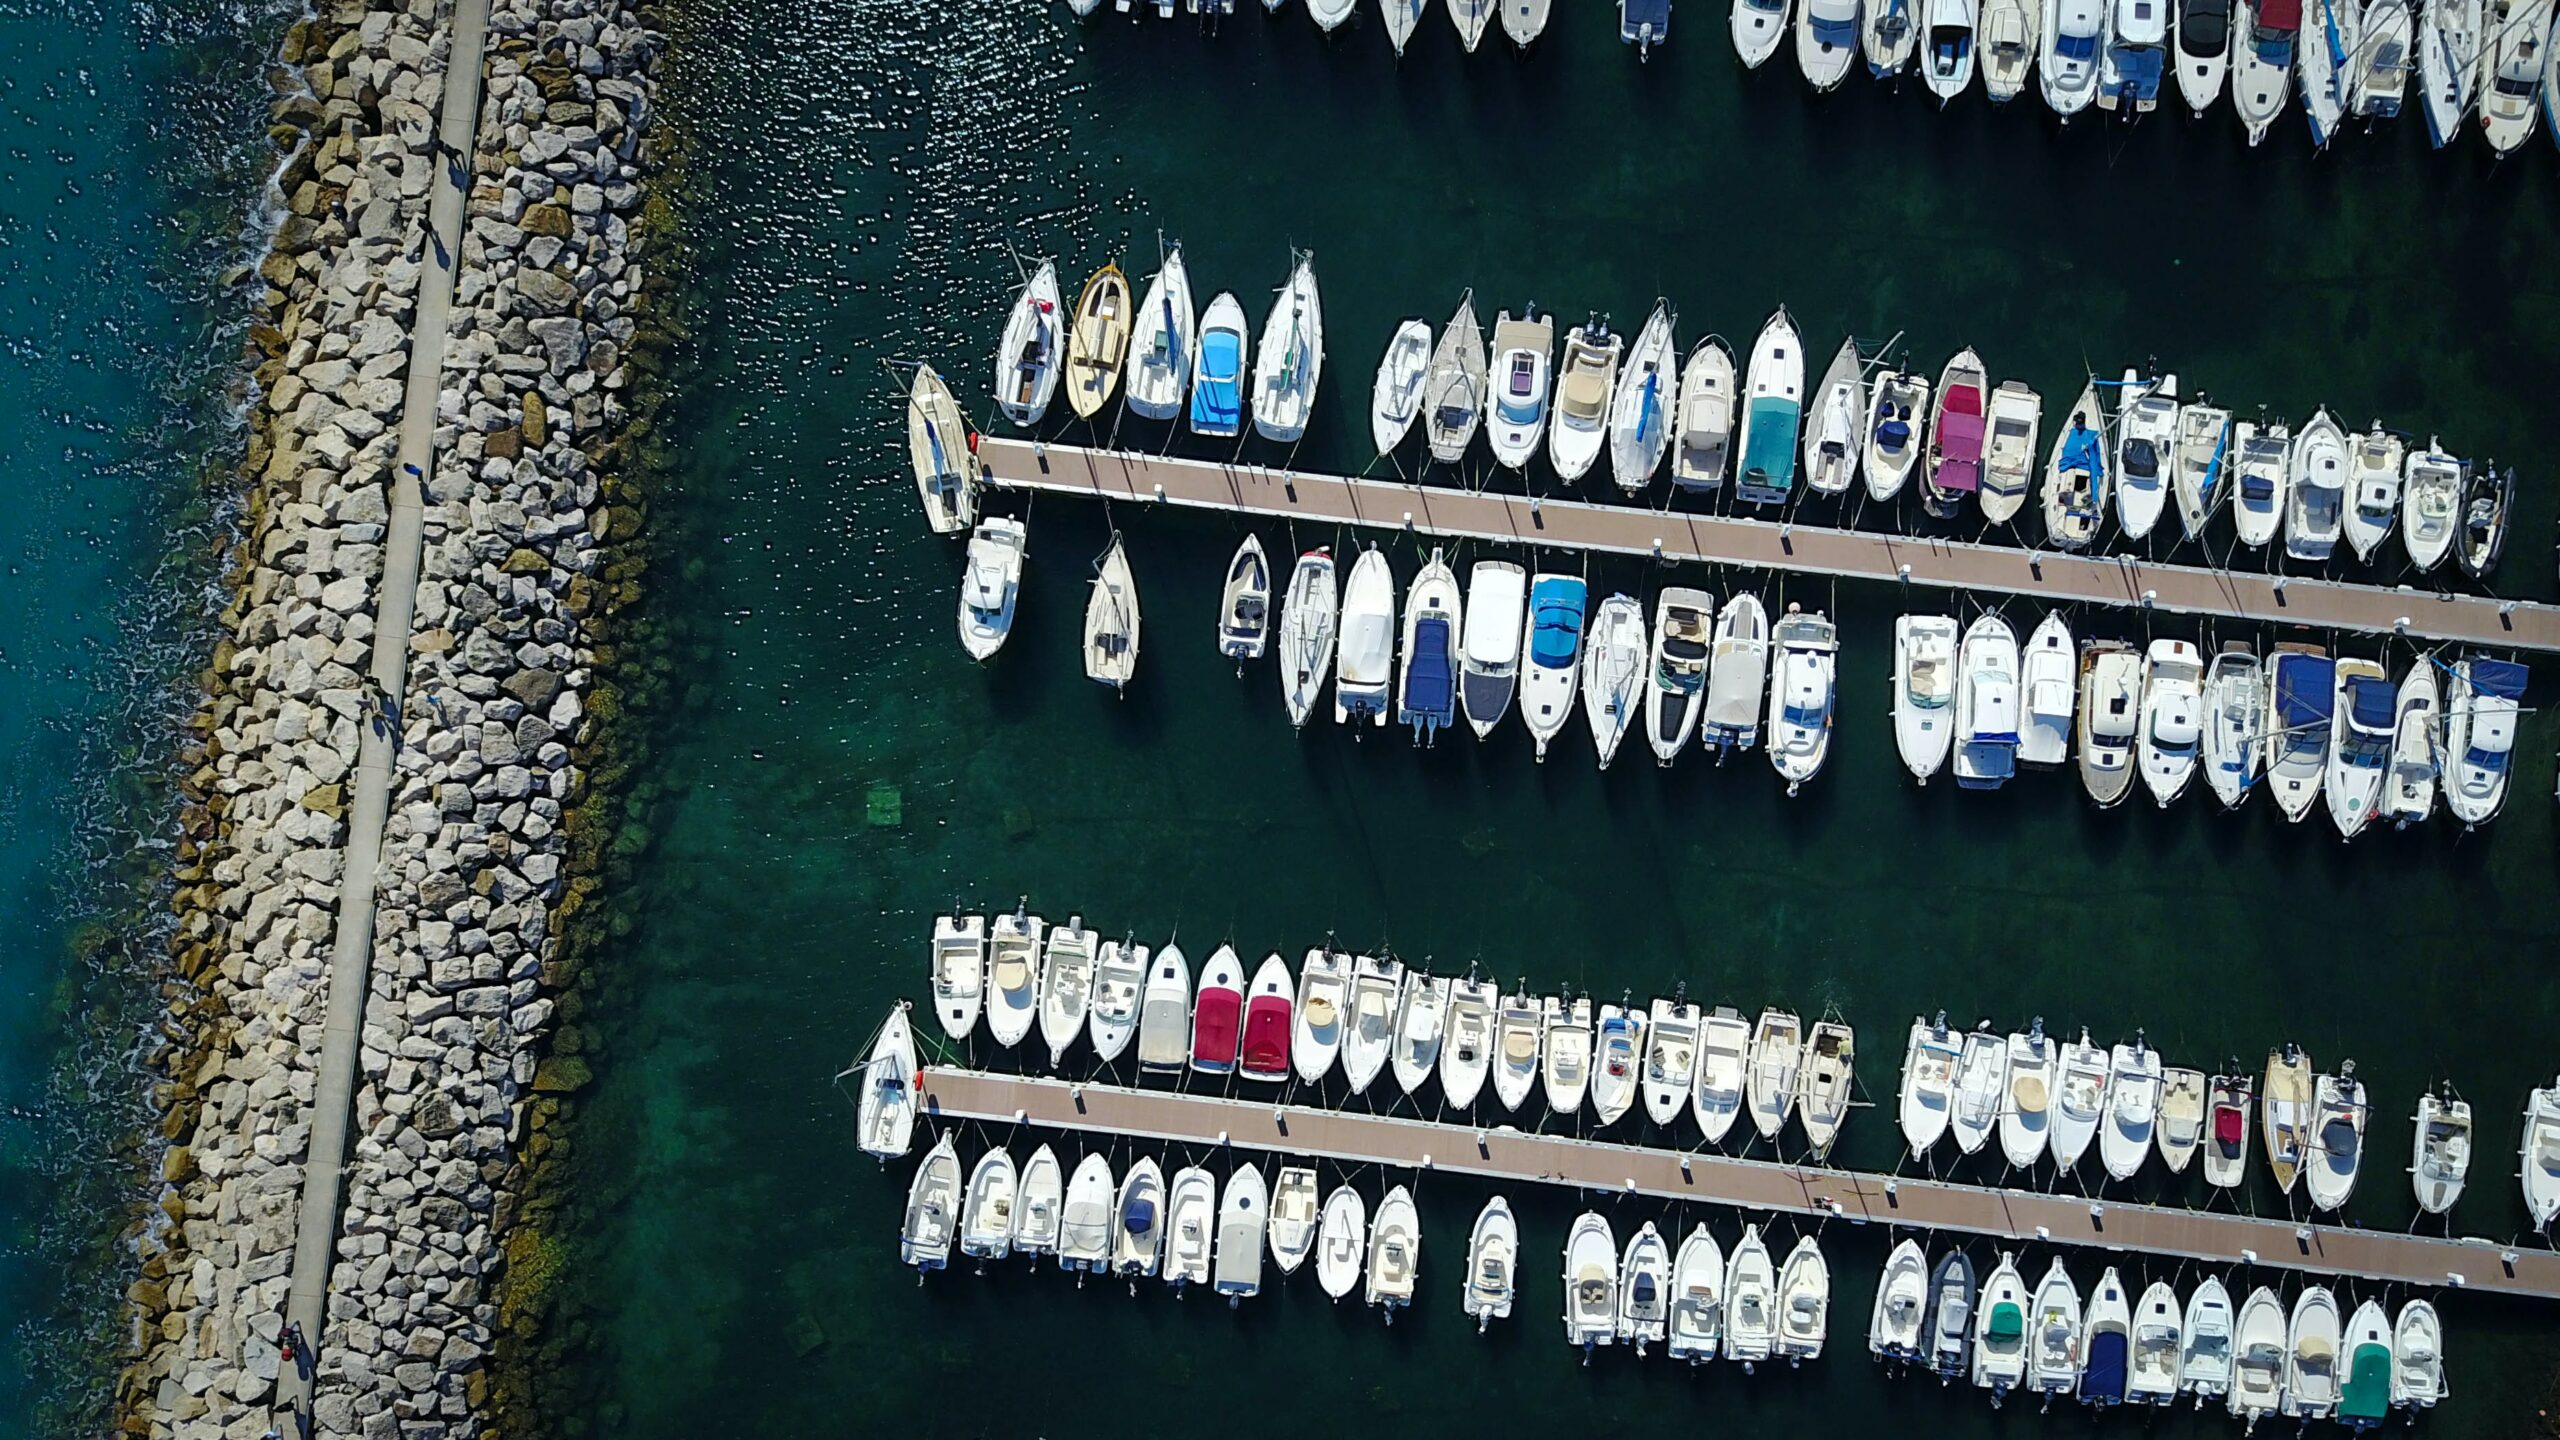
x: 1141, y: 1215
x: 2104, y: 1379
x: 2504, y: 678
x: 2305, y: 686
x: 1634, y: 15
x: 2370, y: 701
x: 1427, y: 688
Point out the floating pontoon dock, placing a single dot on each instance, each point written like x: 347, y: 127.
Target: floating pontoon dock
x: 2049, y: 576
x: 2011, y: 1217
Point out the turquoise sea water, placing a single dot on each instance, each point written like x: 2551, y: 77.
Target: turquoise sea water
x: 131, y: 152
x: 864, y: 167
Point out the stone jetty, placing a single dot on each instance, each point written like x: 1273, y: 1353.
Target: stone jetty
x: 388, y: 760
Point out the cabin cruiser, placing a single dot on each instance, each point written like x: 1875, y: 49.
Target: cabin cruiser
x: 2366, y: 1397
x: 1295, y: 1221
x: 2133, y: 1108
x: 2203, y: 52
x: 2258, y: 1358
x: 1551, y: 680
x: 1706, y: 417
x: 2264, y: 472
x: 2153, y: 1377
x: 2017, y: 420
x: 2172, y: 719
x: 1013, y: 976
x: 1119, y: 978
x: 1084, y: 1222
x: 1367, y: 637
x: 2081, y: 1101
x: 2204, y: 1345
x: 1800, y: 700
x: 2444, y: 1150
x: 1613, y: 1072
x: 2363, y: 724
x: 1670, y: 1058
x: 2262, y: 63
x: 1924, y: 688
x: 2376, y: 461
x: 1520, y: 1031
x: 1773, y: 411
x: 2010, y: 33
x: 1982, y: 1088
x: 2146, y: 410
x: 1750, y: 1289
x: 990, y: 581
x: 1324, y: 994
x: 1066, y: 985
x: 1237, y: 1270
x: 1580, y: 424
x: 1928, y: 1082
x: 2431, y: 488
x: 1137, y: 1221
x: 2480, y: 736
x: 1421, y: 1024
x: 2068, y: 67
x: 1804, y: 1302
x: 1523, y: 369
x: 1737, y: 676
x: 1038, y: 1199
x: 1267, y: 1031
x: 1887, y: 36
x: 1395, y: 1254
x: 2105, y: 1339
x: 2311, y: 1373
x: 2301, y: 684
x: 2417, y: 1356
x: 2317, y: 513
x: 2409, y: 784
x: 2109, y: 721
x: 2051, y: 687
x: 1164, y: 1013
x: 1678, y: 690
x: 2487, y: 507
x: 1947, y: 1330
x: 933, y: 1206
x: 1758, y: 26
x: 1894, y: 432
x: 1376, y: 985
x: 2541, y: 1153
x: 1217, y: 1015
x: 959, y: 972
x: 1190, y: 1227
x: 2136, y: 52
x: 1986, y: 738
x: 2053, y: 1350
x: 2337, y: 1133
x: 1567, y: 1072
x: 1489, y: 661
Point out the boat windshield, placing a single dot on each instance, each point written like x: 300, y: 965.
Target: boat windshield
x: 2076, y: 47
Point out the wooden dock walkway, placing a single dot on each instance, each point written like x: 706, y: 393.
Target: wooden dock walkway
x: 2010, y: 1217
x: 2053, y: 577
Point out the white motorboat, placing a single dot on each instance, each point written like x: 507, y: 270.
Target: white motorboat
x: 1306, y: 633
x: 1832, y: 439
x: 1946, y: 1338
x: 1237, y: 1271
x: 2365, y: 1397
x: 2000, y: 1331
x: 1614, y: 1062
x: 2258, y: 1357
x: 1493, y: 1264
x: 2311, y: 1367
x: 2026, y: 1120
x: 2172, y: 718
x: 1580, y: 422
x: 1290, y: 359
x: 933, y: 1209
x: 1724, y: 1067
x: 1137, y: 1221
x: 1613, y: 673
x: 1952, y: 470
x: 1342, y: 1244
x: 2480, y: 714
x: 1590, y: 1284
x: 1367, y: 637
x: 1454, y: 396
x: 1772, y: 415
x: 2301, y: 686
x: 1293, y: 1221
x: 1902, y: 1304
x: 1641, y: 403
x: 1084, y: 1222
x: 1670, y: 1058
x: 1427, y: 680
x: 1923, y: 693
x: 2444, y: 1150
x: 2182, y: 1108
x: 2080, y: 1101
x: 1027, y: 357
x: 1981, y: 1088
x: 1696, y: 1329
x: 2363, y: 726
x: 2325, y: 63
x: 1119, y: 984
x: 1269, y: 1034
x: 1804, y: 1302
x: 1801, y: 700
x: 1066, y: 985
x: 1395, y: 397
x: 2541, y: 1153
x: 2051, y: 686
x: 2203, y: 53
x: 2009, y: 462
x: 1644, y: 1289
x: 1039, y: 1205
x: 1395, y: 1253
x: 1190, y: 1227
x: 1520, y: 1033
x: 1466, y: 1052
x: 2105, y: 1334
x: 2075, y: 475
x: 959, y: 972
x: 1758, y: 26
x: 2200, y: 469
x: 1013, y: 976
x: 2262, y: 62
x: 2417, y: 1357
x: 1823, y: 1083
x: 1160, y: 349
x: 2226, y: 1143
x: 1324, y: 996
x: 1678, y: 688
x: 2067, y: 66
x: 2053, y: 1344
x: 1421, y: 1023
x: 2337, y: 1138
x: 2513, y: 64
x: 1777, y: 1051
x: 1164, y: 1013
x: 1929, y: 1082
x: 1946, y: 60
x: 2110, y: 718
x: 2263, y: 475
x: 1553, y: 676
x: 1887, y: 36
x: 2431, y: 487
x: 1489, y: 656
x: 2146, y: 438
x: 1377, y: 983
x: 1567, y: 1071
x: 2284, y: 1103
x: 1737, y: 676
x: 1217, y: 370
x: 1827, y: 41
x: 2376, y: 459
x: 2011, y: 33
x: 1217, y: 1014
x: 2233, y: 744
x: 938, y: 449
x: 2204, y: 1343
x: 1112, y: 621
x: 1706, y: 417
x: 1523, y: 377
x: 1894, y: 432
x: 990, y: 581
x: 1986, y: 728
x: 2317, y: 482
x: 1750, y: 1302
x: 2487, y: 508
x: 1244, y: 607
x: 2133, y: 1108
x: 885, y: 1108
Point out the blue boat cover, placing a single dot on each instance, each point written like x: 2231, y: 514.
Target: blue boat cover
x: 1141, y: 1215
x: 1635, y: 15
x: 2370, y: 702
x: 2304, y: 686
x: 2084, y: 449
x: 1769, y: 449
x: 1555, y: 614
x: 2104, y: 1377
x: 1893, y: 435
x: 2503, y: 678
x: 1427, y: 690
x: 2076, y: 47
x: 2140, y: 67
x: 1216, y: 400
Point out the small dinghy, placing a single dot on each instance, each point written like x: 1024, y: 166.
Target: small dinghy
x: 2226, y: 1143
x: 1066, y: 986
x: 1613, y: 1071
x: 2480, y: 736
x: 2011, y: 33
x: 2258, y: 1358
x: 1013, y: 976
x: 990, y: 582
x: 1466, y: 1051
x: 2110, y: 719
x: 1520, y: 1030
x: 2301, y: 684
x: 1956, y: 426
x: 2200, y: 468
x: 1342, y: 1241
x: 959, y: 972
x: 1237, y: 1271
x: 1421, y: 1024
x: 1453, y: 397
x: 2233, y: 744
x: 1119, y: 980
x: 2053, y: 1349
x: 1160, y: 352
x: 1644, y: 1294
x: 1395, y: 1254
x: 2337, y: 1130
x: 1566, y: 1075
x: 2284, y: 1104
x: 1832, y: 443
x: 1085, y: 1221
x: 1706, y: 417
x: 1324, y: 991
x: 1804, y: 1303
x: 1982, y: 1088
x: 2417, y: 1355
x: 2181, y: 1128
x: 1551, y: 679
x: 1986, y: 728
x: 1947, y: 1331
x: 2080, y: 1101
x: 2541, y: 1153
x: 1027, y: 357
x: 933, y: 1207
x: 1902, y: 1304
x: 1773, y: 413
x: 2431, y: 489
x: 1493, y: 1264
x: 2172, y: 718
x: 2317, y: 484
x: 1428, y: 686
x: 1801, y: 698
x: 1111, y: 621
x: 1737, y: 676
x: 2026, y: 1121
x: 885, y: 1110
x: 2375, y: 462
x: 2146, y: 439
x: 2444, y: 1150
x: 938, y: 448
x: 1696, y: 1325
x: 2363, y: 723
x: 2204, y: 1343
x: 1038, y: 1205
x: 1293, y: 1217
x: 1244, y: 608
x: 1367, y: 637
x: 1190, y: 1227
x: 1928, y: 1083
x: 2365, y: 1400
x: 1894, y: 429
x: 1164, y: 1013
x: 2203, y: 54
x: 2017, y: 420
x: 1489, y: 657
x: 1641, y: 402
x: 1376, y: 985
x: 1613, y: 673
x: 1924, y: 689
x: 2000, y: 1331
x: 2050, y: 686
x: 1137, y: 1221
x: 1306, y: 634
x: 1584, y: 379
x: 1395, y: 399
x: 1098, y: 343
x: 1217, y: 372
x: 1681, y: 618
x: 1724, y: 1066
x: 2075, y: 476
x: 1523, y: 373
x: 1751, y: 1291
x: 1217, y: 1015
x: 2486, y: 504
x: 1777, y: 1051
x: 1267, y: 1009
x: 2311, y: 1368
x: 1822, y: 1087
x: 1290, y: 359
x: 2105, y: 1339
x: 1590, y: 1284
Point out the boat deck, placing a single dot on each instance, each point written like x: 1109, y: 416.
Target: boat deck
x: 2013, y: 1217
x: 2054, y: 577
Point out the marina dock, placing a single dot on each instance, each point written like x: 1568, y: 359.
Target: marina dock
x: 1323, y: 502
x: 2006, y: 1216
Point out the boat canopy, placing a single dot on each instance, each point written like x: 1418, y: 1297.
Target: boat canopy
x: 2370, y: 702
x: 2008, y: 1323
x: 1266, y: 1035
x: 2281, y: 15
x: 2204, y: 27
x: 2502, y: 678
x: 1213, y: 1027
x: 1493, y: 618
x: 1644, y: 17
x: 1555, y: 611
x: 1769, y: 449
x: 1216, y: 400
x: 2304, y: 686
x: 2103, y: 1377
x: 2083, y: 450
x: 1140, y: 1215
x: 1427, y: 682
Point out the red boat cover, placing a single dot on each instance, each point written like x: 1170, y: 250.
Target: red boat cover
x: 2280, y: 14
x: 1266, y: 1037
x: 1213, y: 1027
x: 2227, y: 1124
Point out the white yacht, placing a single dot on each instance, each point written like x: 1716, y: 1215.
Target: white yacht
x: 1678, y: 687
x: 1887, y: 35
x: 2258, y: 1356
x: 2133, y: 1108
x: 1924, y: 691
x: 1164, y: 1013
x: 1137, y: 1221
x: 1119, y: 981
x: 1489, y: 658
x: 1427, y: 683
x: 1982, y: 1088
x: 1724, y: 1065
x: 2200, y: 470
x: 2204, y: 32
x: 2541, y: 1154
x: 2067, y: 66
x: 2110, y: 718
x: 1670, y: 1058
x: 1801, y: 699
x: 1553, y: 676
x: 2376, y: 459
x: 1377, y: 983
x: 1217, y: 1015
x: 1066, y: 985
x: 1928, y: 1082
x: 2026, y: 1121
x: 2364, y: 1397
x: 959, y: 972
x: 2000, y: 1331
x: 1028, y: 355
x: 2311, y: 1368
x: 1395, y: 397
x: 1038, y: 1202
x: 2136, y: 52
x: 1237, y: 1270
x: 2417, y: 1357
x: 1902, y: 1303
x: 1580, y: 423
x: 947, y: 470
x: 1519, y: 1034
x: 2146, y: 439
x: 1306, y: 634
x: 1750, y: 1307
x: 1324, y: 997
x: 1777, y: 1050
x: 2158, y: 1327
x: 2363, y: 723
x: 1641, y: 403
x: 1804, y: 1302
x: 1013, y: 976
x: 1395, y: 1254
x: 1290, y: 359
x: 1421, y: 1024
x: 990, y: 580
x: 1947, y: 60
x: 1467, y: 1047
x: 1644, y: 1289
x: 1244, y: 606
x: 1190, y: 1227
x: 2051, y: 686
x: 2053, y: 1343
x: 2336, y: 1150
x: 1268, y: 1035
x: 1590, y: 1284
x: 1832, y: 443
x: 1493, y: 1264
x: 1367, y: 638
x: 1697, y: 1298
x: 933, y: 1209
x: 2480, y: 713
x: 2009, y: 463
x: 2444, y: 1150
x: 2431, y: 488
x: 2235, y: 716
x: 2513, y: 66
x: 2204, y: 1343
x: 1986, y: 730
x: 1160, y: 347
x: 1737, y: 676
x: 1084, y: 1222
x: 1823, y: 1083
x: 2105, y: 1333
x: 1567, y: 1071
x: 1294, y: 1221
x: 1774, y: 392
x: 2172, y: 718
x: 1827, y: 41
x: 1895, y: 425
x: 2080, y: 1101
x: 1523, y: 377
x: 2262, y: 63
x: 1706, y: 416
x: 1758, y: 26
x: 2301, y: 681
x: 1342, y: 1241
x: 885, y: 1111
x: 1613, y: 673
x: 1616, y: 1054
x: 2264, y: 472
x: 2317, y: 512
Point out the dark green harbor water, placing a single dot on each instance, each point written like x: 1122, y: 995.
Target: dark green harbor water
x: 862, y: 170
